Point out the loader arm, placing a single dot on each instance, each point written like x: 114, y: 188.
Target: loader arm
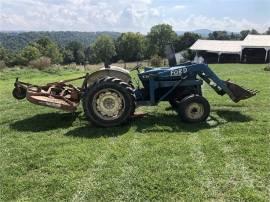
x: 235, y: 92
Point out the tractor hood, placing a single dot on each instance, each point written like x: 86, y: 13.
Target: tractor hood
x: 190, y: 71
x: 167, y: 73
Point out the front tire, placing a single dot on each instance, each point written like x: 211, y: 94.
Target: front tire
x: 109, y: 102
x: 179, y: 94
x: 193, y: 109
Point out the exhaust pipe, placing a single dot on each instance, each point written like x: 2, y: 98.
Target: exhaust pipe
x: 238, y: 92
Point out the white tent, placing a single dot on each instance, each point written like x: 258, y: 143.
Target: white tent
x: 256, y: 41
x: 217, y: 46
x: 233, y: 47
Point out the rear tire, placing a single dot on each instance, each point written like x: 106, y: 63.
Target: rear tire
x: 193, y: 109
x: 109, y: 102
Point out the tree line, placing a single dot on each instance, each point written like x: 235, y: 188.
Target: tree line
x: 16, y: 41
x: 127, y: 47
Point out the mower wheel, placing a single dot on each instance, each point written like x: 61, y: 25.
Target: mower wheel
x: 109, y: 102
x: 193, y: 109
x: 19, y: 93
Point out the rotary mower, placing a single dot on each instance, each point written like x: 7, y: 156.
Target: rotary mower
x: 109, y: 97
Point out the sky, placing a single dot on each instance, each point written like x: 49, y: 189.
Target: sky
x: 133, y: 15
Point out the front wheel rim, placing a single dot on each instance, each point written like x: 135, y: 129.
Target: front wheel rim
x: 195, y: 111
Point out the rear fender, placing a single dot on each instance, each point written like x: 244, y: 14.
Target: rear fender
x: 113, y: 71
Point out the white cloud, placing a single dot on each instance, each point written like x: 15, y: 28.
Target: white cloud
x: 179, y: 7
x: 8, y: 22
x: 226, y: 23
x: 98, y: 15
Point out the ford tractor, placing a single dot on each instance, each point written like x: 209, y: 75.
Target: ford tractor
x: 109, y: 97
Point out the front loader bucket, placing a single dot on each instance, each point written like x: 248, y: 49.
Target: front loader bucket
x: 239, y: 93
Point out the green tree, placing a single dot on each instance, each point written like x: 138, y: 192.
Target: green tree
x: 77, y: 51
x: 159, y: 36
x: 244, y: 33
x: 254, y: 31
x: 104, y: 48
x: 49, y: 49
x: 68, y: 56
x: 80, y: 56
x: 3, y: 57
x: 268, y: 31
x: 235, y: 36
x: 88, y: 52
x: 74, y: 46
x: 7, y: 56
x: 90, y: 56
x: 219, y: 35
x: 27, y: 54
x: 151, y: 50
x: 185, y: 41
x: 3, y: 54
x: 130, y: 46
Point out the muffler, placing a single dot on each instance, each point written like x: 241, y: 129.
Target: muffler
x: 238, y: 92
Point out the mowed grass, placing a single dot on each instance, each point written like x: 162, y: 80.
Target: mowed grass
x: 49, y: 155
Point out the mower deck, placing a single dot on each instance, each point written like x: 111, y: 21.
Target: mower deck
x: 57, y: 95
x: 51, y: 101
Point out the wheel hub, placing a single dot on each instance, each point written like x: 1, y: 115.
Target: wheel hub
x: 195, y: 111
x: 109, y: 104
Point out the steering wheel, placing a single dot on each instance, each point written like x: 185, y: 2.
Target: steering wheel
x: 137, y: 67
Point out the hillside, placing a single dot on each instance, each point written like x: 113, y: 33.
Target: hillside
x: 17, y: 40
x: 202, y: 32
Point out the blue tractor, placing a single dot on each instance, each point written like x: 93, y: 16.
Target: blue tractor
x: 112, y: 101
x: 109, y: 97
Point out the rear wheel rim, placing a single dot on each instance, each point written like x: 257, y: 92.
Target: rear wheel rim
x: 195, y: 111
x: 108, y: 104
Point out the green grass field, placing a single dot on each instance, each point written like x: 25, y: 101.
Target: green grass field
x: 49, y: 155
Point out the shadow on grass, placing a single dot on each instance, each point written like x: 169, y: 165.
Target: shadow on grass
x: 233, y: 105
x: 233, y: 116
x: 89, y: 131
x: 45, y: 122
x: 156, y: 122
x: 160, y: 122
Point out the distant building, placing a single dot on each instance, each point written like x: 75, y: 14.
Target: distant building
x: 253, y: 49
